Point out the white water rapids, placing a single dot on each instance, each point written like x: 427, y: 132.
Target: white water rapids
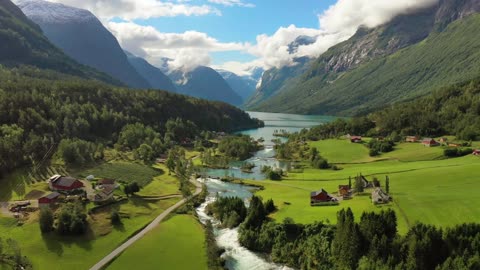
x: 236, y: 256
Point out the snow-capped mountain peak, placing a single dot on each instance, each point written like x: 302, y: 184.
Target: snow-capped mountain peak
x: 48, y: 12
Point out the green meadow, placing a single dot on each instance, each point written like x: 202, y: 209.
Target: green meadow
x: 50, y: 251
x: 425, y: 186
x: 177, y: 243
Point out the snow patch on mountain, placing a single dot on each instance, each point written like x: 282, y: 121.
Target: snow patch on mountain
x: 48, y: 12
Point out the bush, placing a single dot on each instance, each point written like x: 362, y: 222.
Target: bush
x: 457, y: 152
x: 46, y: 220
x: 115, y: 218
x: 270, y: 206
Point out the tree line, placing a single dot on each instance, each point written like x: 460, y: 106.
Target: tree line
x: 37, y: 111
x: 372, y: 242
x: 453, y: 110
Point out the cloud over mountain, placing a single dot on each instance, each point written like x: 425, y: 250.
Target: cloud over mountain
x: 140, y: 9
x: 188, y: 50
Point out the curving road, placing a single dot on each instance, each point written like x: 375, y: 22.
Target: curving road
x: 107, y: 259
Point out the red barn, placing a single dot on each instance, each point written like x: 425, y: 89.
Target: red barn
x: 355, y: 139
x: 321, y: 196
x: 429, y: 142
x: 64, y: 183
x: 48, y: 200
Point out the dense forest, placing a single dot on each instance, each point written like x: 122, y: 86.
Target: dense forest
x: 453, y: 110
x: 36, y: 113
x: 370, y: 243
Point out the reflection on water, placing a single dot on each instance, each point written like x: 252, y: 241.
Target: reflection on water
x: 273, y: 121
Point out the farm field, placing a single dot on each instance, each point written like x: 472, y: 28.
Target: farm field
x: 49, y: 251
x: 425, y: 186
x: 177, y: 243
x: 122, y: 171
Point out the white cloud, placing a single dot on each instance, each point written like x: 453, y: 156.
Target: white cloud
x: 188, y: 50
x: 239, y: 68
x: 191, y: 48
x: 140, y: 9
x: 230, y: 3
x: 338, y: 23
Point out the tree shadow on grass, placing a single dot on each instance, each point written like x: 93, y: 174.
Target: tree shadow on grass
x: 119, y: 227
x: 52, y: 243
x: 57, y: 243
x: 137, y: 201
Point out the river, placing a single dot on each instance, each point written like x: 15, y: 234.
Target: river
x: 236, y: 256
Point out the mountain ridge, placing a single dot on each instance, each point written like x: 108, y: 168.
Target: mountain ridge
x: 332, y: 82
x: 84, y: 38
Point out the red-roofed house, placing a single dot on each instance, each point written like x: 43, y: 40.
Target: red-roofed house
x: 321, y: 197
x: 429, y: 142
x: 355, y: 139
x: 47, y: 201
x: 64, y: 183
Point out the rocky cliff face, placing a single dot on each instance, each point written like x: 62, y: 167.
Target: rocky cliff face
x: 385, y: 64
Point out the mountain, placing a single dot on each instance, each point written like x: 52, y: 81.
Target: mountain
x: 154, y: 76
x: 204, y: 82
x: 23, y: 43
x: 275, y: 80
x: 83, y: 37
x: 403, y: 59
x: 244, y: 86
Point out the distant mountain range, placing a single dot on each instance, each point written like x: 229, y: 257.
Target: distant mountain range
x: 244, y: 86
x: 154, y: 76
x: 403, y: 59
x: 23, y: 43
x: 83, y: 37
x: 206, y: 83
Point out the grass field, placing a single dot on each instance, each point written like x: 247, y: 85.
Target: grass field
x: 342, y: 151
x: 425, y: 186
x: 53, y: 252
x: 122, y: 171
x: 178, y: 243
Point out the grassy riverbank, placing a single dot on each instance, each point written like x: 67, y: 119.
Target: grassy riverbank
x: 425, y: 186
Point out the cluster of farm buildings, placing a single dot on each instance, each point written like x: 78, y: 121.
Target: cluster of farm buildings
x: 428, y: 142
x: 345, y: 192
x: 65, y: 188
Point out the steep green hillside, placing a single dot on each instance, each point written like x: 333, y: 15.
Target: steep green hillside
x: 23, y: 43
x: 444, y: 58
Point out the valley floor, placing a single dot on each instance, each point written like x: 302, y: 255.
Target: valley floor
x: 51, y: 251
x: 425, y: 186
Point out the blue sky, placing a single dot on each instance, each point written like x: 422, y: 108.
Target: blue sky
x: 243, y: 24
x: 236, y: 35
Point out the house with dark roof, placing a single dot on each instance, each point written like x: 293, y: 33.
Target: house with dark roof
x: 322, y: 197
x: 344, y: 191
x: 64, y: 183
x: 379, y: 196
x: 356, y: 139
x: 429, y: 142
x: 104, y: 194
x: 48, y: 200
